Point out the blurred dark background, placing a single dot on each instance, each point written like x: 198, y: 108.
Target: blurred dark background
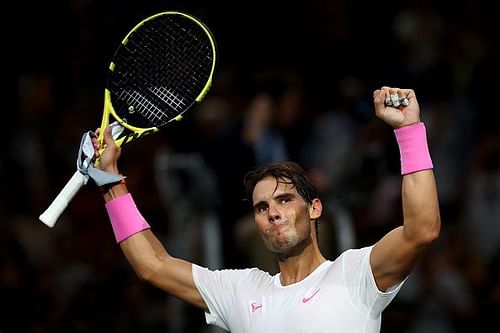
x: 293, y: 81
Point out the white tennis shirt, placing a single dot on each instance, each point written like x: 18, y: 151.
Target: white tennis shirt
x: 338, y: 296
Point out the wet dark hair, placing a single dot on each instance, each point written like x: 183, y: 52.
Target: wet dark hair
x: 284, y: 172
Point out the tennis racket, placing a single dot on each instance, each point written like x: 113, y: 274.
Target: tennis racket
x: 162, y: 68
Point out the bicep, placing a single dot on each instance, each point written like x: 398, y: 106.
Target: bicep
x: 393, y: 258
x: 175, y: 276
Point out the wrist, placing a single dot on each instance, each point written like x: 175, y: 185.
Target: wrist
x: 409, y: 123
x: 113, y: 190
x: 125, y: 218
x: 112, y: 169
x: 413, y: 148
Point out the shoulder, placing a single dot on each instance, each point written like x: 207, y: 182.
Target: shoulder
x: 253, y: 275
x: 352, y: 261
x: 355, y: 254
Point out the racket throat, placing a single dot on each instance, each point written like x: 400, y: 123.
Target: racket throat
x: 132, y: 136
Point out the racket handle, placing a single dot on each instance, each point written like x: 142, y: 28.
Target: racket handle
x: 57, y: 207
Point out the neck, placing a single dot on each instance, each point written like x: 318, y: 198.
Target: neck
x: 296, y: 267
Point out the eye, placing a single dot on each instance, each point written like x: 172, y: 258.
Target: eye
x: 260, y: 209
x: 285, y: 200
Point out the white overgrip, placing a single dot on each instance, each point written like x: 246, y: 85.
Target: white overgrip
x: 51, y: 214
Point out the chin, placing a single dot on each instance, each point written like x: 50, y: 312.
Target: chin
x: 283, y: 245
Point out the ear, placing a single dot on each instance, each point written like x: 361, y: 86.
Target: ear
x: 315, y: 209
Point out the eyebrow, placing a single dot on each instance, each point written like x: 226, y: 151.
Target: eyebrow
x: 284, y: 195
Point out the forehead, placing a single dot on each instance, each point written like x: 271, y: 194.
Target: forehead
x: 268, y: 187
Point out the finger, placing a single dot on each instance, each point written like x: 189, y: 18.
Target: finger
x: 405, y: 96
x: 404, y: 101
x: 379, y: 96
x: 379, y: 101
x: 395, y: 97
x: 387, y: 98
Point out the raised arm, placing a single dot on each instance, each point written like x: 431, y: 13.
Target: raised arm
x: 397, y: 253
x: 147, y: 256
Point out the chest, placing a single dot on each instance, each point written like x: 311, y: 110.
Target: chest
x: 315, y: 308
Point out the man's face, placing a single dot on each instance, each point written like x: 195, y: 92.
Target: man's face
x: 281, y: 214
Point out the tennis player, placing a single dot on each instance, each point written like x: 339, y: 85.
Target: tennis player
x: 310, y: 293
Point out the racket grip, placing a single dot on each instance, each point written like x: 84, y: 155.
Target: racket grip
x: 51, y: 214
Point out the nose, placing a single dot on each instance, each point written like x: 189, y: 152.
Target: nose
x: 274, y: 214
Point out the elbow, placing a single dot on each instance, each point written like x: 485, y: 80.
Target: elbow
x: 430, y: 233
x: 145, y: 274
x: 424, y: 231
x: 150, y: 271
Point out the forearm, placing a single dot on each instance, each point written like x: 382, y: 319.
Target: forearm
x: 151, y: 262
x: 420, y: 207
x: 141, y: 247
x: 419, y: 193
x: 145, y: 253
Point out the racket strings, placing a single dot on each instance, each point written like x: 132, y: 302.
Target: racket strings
x: 162, y: 69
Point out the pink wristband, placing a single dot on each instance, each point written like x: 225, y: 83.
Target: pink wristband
x: 125, y: 218
x: 413, y: 148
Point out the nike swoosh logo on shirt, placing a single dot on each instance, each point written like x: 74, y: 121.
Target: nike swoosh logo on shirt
x: 307, y: 299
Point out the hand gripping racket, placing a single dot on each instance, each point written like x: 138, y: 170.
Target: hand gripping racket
x: 161, y: 69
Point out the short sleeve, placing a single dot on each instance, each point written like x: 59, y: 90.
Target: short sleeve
x: 361, y: 285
